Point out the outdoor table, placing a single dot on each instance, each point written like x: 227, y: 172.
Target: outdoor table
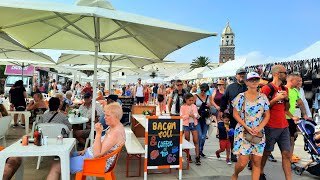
x: 78, y: 120
x: 52, y: 149
x: 26, y: 114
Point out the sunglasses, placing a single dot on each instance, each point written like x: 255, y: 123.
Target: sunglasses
x: 220, y: 84
x: 178, y: 84
x: 203, y: 90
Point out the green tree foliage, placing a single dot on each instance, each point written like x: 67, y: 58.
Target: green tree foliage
x: 200, y: 61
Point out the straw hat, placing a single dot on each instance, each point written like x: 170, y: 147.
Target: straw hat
x: 220, y: 82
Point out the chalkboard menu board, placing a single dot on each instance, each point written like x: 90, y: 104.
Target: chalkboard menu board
x: 163, y: 142
x: 127, y: 102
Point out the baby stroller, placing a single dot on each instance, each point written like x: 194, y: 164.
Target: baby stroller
x: 307, y: 129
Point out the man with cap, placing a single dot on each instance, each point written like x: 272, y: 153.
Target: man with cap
x: 230, y: 93
x: 139, y: 92
x: 86, y: 111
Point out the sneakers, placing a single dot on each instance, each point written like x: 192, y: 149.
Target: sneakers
x: 202, y: 155
x: 229, y: 162
x: 189, y: 159
x: 262, y: 177
x: 198, y: 161
x: 15, y: 125
x: 218, y: 156
x: 271, y: 158
x: 234, y: 158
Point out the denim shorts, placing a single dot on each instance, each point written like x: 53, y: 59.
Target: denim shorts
x: 191, y: 127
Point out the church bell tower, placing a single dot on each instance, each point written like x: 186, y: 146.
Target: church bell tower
x: 227, y: 46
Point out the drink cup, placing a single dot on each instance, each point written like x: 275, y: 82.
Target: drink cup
x: 25, y: 140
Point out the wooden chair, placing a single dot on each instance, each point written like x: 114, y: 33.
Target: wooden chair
x: 96, y: 167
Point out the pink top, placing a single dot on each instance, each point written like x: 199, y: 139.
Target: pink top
x: 185, y: 111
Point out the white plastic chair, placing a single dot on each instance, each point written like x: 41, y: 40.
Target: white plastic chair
x: 52, y: 130
x: 4, y: 126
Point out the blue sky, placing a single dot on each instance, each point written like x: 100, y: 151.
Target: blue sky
x: 262, y: 28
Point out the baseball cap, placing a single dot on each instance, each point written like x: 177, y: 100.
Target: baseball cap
x: 87, y: 95
x: 113, y: 97
x: 139, y: 79
x: 252, y: 75
x: 241, y: 70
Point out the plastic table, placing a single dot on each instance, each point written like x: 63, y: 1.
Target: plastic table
x: 52, y: 149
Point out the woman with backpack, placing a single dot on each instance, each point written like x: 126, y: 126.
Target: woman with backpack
x: 203, y: 102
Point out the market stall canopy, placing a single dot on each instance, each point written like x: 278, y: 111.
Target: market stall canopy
x: 196, y: 73
x: 310, y: 52
x: 226, y: 70
x: 51, y: 25
x: 175, y: 76
x: 157, y: 80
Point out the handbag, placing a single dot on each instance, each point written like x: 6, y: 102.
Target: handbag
x: 255, y: 139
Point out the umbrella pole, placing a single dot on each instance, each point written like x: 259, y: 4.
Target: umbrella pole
x: 110, y: 78
x: 22, y: 71
x: 94, y: 95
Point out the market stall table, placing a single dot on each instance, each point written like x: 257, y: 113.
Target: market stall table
x: 26, y: 114
x: 52, y: 149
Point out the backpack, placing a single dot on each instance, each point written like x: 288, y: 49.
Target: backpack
x: 270, y: 95
x: 204, y: 110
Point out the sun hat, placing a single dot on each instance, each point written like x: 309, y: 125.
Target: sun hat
x: 241, y: 70
x: 220, y: 82
x: 252, y: 75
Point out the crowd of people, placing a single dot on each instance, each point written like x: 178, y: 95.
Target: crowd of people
x: 251, y: 116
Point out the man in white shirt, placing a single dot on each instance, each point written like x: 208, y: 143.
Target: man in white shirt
x: 86, y: 111
x: 139, y: 92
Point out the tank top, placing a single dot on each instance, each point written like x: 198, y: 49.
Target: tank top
x: 199, y: 102
x: 139, y: 92
x: 218, y: 97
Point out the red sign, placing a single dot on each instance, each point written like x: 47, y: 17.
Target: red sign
x: 17, y: 70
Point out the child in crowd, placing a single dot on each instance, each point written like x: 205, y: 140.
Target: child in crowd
x: 189, y: 113
x: 317, y: 135
x: 224, y: 131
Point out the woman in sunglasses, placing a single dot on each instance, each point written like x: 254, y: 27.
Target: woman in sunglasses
x: 251, y: 111
x: 203, y: 102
